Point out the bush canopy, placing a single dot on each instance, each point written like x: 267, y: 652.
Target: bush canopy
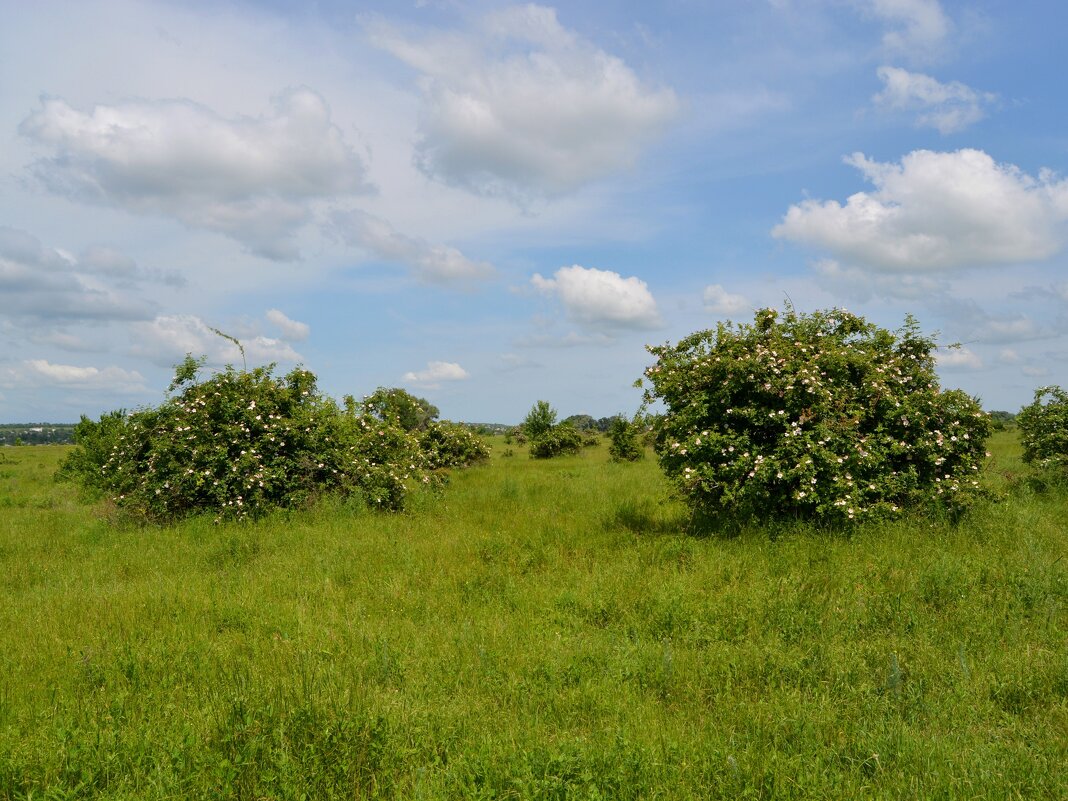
x: 241, y: 443
x: 821, y: 416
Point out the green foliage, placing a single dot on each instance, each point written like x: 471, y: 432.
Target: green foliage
x: 447, y: 444
x: 539, y: 420
x: 401, y: 407
x: 1002, y: 420
x: 96, y: 440
x: 625, y: 445
x: 1044, y: 430
x: 582, y: 422
x: 242, y: 443
x: 556, y: 441
x: 822, y: 416
x: 549, y: 633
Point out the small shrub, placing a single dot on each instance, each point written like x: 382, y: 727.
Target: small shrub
x: 447, y: 444
x: 625, y: 445
x: 1044, y: 430
x: 822, y: 416
x: 557, y: 441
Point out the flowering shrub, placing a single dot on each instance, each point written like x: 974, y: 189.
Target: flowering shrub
x: 448, y: 444
x: 241, y: 443
x: 1044, y: 430
x: 556, y: 441
x: 822, y: 416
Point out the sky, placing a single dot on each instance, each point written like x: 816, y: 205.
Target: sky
x: 491, y: 204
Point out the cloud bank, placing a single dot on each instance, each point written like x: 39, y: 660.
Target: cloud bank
x: 251, y: 179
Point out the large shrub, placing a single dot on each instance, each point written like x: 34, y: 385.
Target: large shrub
x: 243, y: 442
x: 822, y: 416
x: 1044, y: 430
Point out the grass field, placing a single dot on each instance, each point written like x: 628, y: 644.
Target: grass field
x: 539, y: 630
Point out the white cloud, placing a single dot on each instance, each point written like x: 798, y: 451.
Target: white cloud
x: 292, y: 330
x: 719, y: 301
x: 937, y: 211
x: 42, y: 286
x: 947, y: 107
x: 252, y: 179
x: 601, y: 298
x: 862, y: 285
x: 167, y: 339
x: 1008, y: 356
x: 111, y: 379
x: 958, y: 359
x: 920, y: 26
x: 1032, y: 371
x: 435, y: 373
x: 438, y: 264
x: 523, y: 106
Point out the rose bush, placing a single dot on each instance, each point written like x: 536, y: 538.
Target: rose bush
x: 821, y: 416
x: 241, y: 443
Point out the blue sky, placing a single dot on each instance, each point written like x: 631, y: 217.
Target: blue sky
x: 490, y: 204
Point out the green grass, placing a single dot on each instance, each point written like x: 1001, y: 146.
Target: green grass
x: 542, y: 629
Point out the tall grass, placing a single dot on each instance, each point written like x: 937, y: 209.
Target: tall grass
x: 541, y: 629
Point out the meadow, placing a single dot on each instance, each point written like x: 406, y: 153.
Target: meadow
x: 536, y: 630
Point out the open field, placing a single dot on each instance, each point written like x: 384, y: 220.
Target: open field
x: 538, y: 630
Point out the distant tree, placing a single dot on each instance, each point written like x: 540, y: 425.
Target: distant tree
x: 539, y: 420
x: 604, y: 424
x: 1002, y: 420
x: 408, y: 411
x: 581, y: 422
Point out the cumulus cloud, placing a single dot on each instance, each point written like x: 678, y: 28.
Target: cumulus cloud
x: 523, y: 106
x: 601, y: 298
x: 438, y: 264
x: 40, y: 372
x: 248, y: 178
x: 168, y: 338
x: 958, y: 359
x: 947, y: 107
x: 292, y: 330
x: 936, y: 211
x: 435, y: 373
x: 719, y: 301
x: 917, y: 27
